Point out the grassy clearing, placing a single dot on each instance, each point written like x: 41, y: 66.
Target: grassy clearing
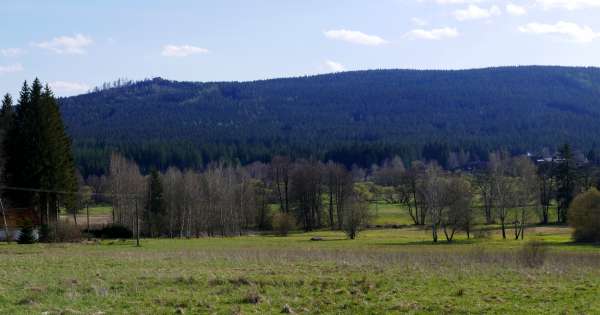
x: 384, y: 271
x: 389, y: 214
x: 99, y: 210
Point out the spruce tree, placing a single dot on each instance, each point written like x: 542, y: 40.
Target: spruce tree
x: 17, y: 144
x: 6, y: 111
x: 156, y: 204
x: 56, y: 148
x: 566, y: 179
x: 6, y: 115
x: 39, y: 153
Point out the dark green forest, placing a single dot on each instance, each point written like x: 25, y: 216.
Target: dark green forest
x: 360, y: 117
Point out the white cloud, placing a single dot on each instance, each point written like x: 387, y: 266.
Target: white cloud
x: 17, y: 67
x: 182, y: 50
x: 434, y: 34
x: 574, y: 32
x: 515, y: 10
x: 11, y: 52
x: 458, y: 1
x: 474, y: 12
x: 568, y: 4
x: 74, y: 45
x: 334, y: 66
x: 419, y: 22
x: 355, y: 37
x: 68, y: 88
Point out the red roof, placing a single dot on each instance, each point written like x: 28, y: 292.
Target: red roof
x: 16, y: 217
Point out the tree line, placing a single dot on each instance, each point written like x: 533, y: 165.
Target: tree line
x: 513, y: 191
x: 224, y: 200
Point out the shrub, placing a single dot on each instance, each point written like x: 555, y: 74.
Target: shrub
x: 483, y: 233
x: 533, y: 254
x: 113, y: 231
x: 27, y: 235
x: 44, y: 234
x: 584, y: 216
x: 65, y: 232
x: 356, y: 216
x: 283, y: 223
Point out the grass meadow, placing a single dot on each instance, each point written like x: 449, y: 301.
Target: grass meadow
x: 387, y: 271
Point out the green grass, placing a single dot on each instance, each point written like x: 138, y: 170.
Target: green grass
x: 389, y: 214
x: 95, y: 210
x: 382, y: 272
x: 99, y: 210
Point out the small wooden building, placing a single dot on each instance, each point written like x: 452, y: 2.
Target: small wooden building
x: 15, y: 219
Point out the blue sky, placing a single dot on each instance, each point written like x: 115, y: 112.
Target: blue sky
x: 75, y: 45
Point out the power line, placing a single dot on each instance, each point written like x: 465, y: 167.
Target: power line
x: 68, y: 192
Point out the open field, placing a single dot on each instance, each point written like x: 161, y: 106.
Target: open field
x: 384, y: 271
x: 100, y: 215
x: 389, y: 214
x: 100, y: 209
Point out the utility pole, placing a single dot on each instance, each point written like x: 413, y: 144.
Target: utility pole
x: 376, y: 204
x: 87, y: 211
x: 137, y: 225
x: 6, y: 234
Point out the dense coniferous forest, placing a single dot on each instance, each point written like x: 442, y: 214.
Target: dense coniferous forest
x: 360, y: 117
x: 36, y: 153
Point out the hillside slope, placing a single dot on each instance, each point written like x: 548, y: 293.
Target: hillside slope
x: 355, y: 117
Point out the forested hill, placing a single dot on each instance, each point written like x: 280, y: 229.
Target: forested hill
x: 353, y: 117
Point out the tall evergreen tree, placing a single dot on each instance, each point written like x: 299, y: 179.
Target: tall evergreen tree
x: 566, y: 177
x: 39, y: 153
x: 156, y: 207
x: 56, y: 149
x: 6, y: 111
x: 6, y: 115
x: 18, y: 144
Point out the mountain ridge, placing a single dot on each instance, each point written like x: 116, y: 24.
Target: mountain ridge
x: 391, y: 111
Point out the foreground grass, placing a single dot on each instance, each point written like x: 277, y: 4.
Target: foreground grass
x: 384, y: 271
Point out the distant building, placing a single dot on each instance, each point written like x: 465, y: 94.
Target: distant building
x: 15, y: 219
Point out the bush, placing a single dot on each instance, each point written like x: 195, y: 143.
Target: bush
x: 283, y: 223
x: 44, y: 234
x: 584, y: 216
x: 533, y: 254
x: 483, y: 234
x: 356, y: 216
x: 65, y: 232
x: 27, y: 235
x: 113, y: 231
x: 116, y: 231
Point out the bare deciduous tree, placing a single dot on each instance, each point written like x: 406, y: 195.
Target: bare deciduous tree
x: 515, y: 188
x: 547, y: 188
x: 307, y: 190
x: 527, y: 193
x: 433, y: 190
x: 126, y: 182
x: 457, y: 214
x: 484, y: 182
x: 356, y: 215
x: 411, y: 192
x: 281, y: 169
x: 339, y: 188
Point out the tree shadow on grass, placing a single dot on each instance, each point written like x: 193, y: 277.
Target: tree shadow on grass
x: 571, y: 244
x: 438, y: 243
x: 328, y: 240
